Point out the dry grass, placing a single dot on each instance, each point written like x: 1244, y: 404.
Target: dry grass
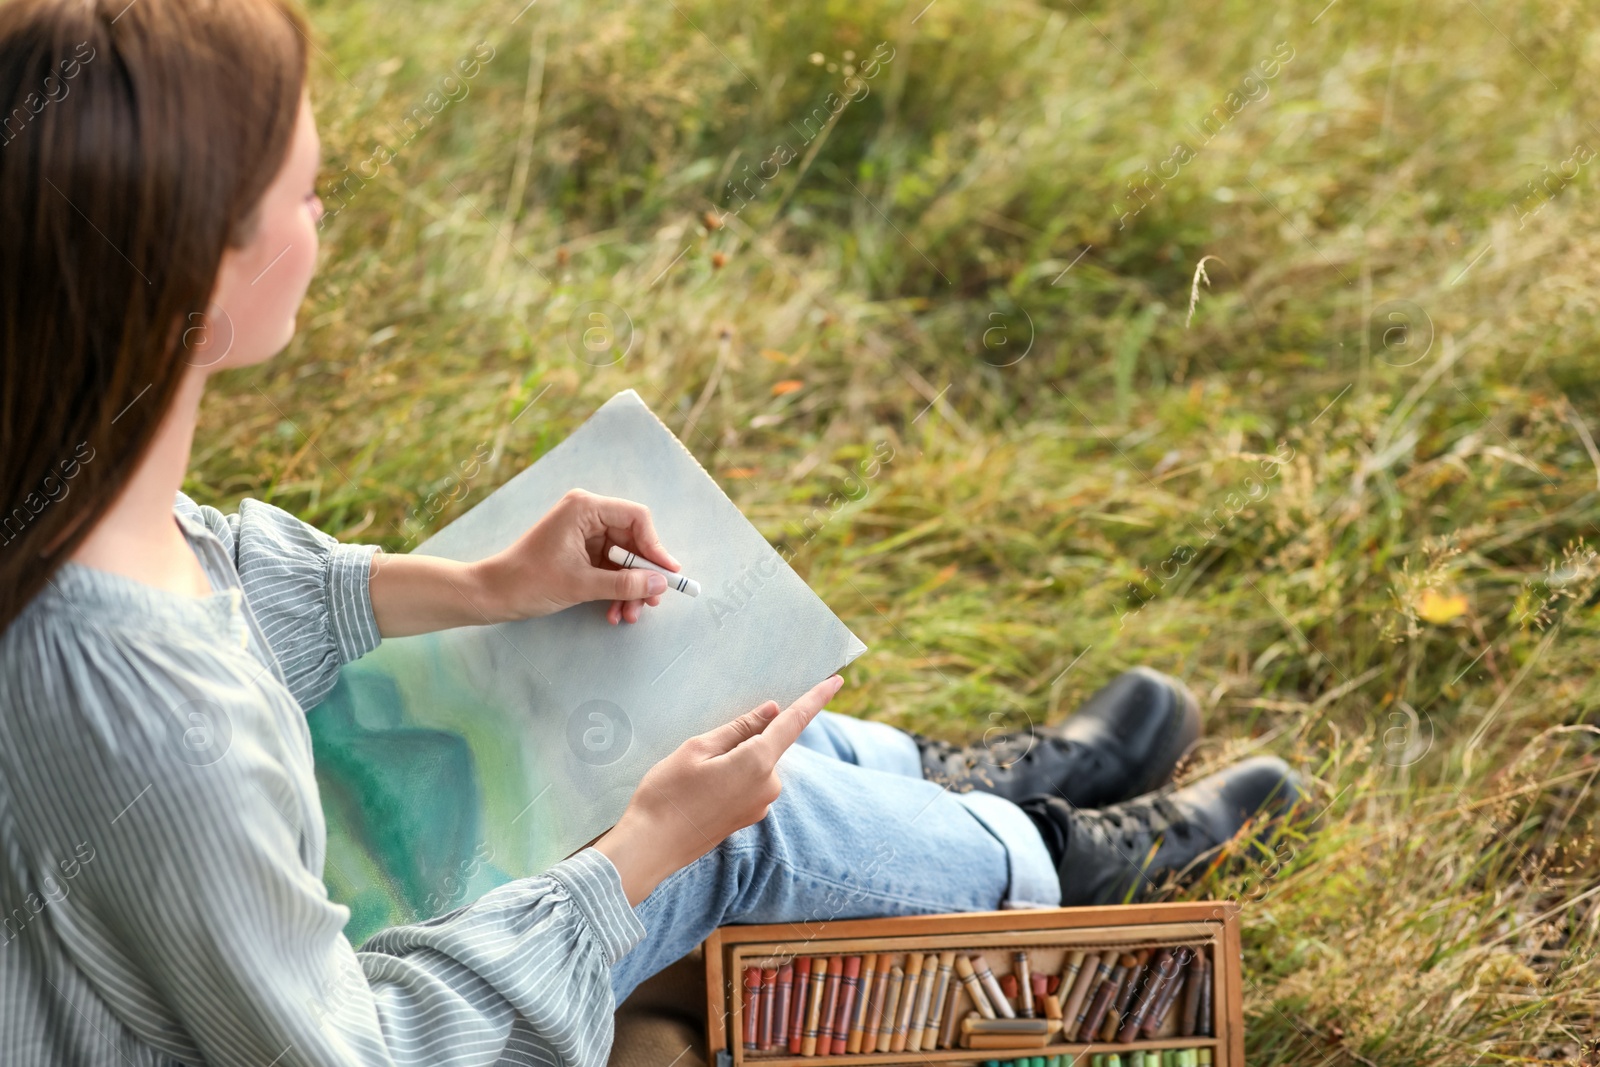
x: 1447, y: 912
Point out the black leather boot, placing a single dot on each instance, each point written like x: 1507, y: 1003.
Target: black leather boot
x: 1118, y: 854
x: 1125, y: 741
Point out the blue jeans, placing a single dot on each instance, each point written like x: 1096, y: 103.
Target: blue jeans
x: 855, y: 833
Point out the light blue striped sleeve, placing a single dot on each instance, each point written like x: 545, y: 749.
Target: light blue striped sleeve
x: 201, y: 922
x: 310, y: 592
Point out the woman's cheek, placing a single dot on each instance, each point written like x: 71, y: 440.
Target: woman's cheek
x: 305, y: 250
x: 275, y: 295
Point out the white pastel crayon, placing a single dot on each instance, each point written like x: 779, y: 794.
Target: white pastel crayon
x: 623, y: 558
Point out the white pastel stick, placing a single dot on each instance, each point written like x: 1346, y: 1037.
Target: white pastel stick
x: 623, y: 558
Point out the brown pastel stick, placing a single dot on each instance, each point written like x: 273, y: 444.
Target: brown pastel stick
x: 1052, y: 1006
x: 1158, y: 1014
x: 769, y: 990
x: 1136, y: 975
x: 947, y: 1029
x: 1169, y: 993
x: 1024, y: 980
x: 1076, y: 988
x: 780, y: 1006
x: 941, y: 994
x: 1204, y: 1025
x: 969, y: 981
x: 858, y: 1026
x: 908, y: 998
x: 1052, y: 985
x: 752, y: 1006
x: 891, y: 1008
x: 802, y: 991
x: 819, y: 980
x: 845, y: 1013
x: 1099, y: 976
x: 1103, y: 996
x: 1191, y: 997
x: 1144, y: 998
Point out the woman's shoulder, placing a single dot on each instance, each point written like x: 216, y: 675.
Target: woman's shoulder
x: 101, y: 660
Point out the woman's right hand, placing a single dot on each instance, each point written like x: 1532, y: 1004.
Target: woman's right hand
x: 711, y: 785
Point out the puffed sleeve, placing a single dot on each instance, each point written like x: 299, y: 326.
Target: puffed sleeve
x: 309, y: 591
x: 204, y: 927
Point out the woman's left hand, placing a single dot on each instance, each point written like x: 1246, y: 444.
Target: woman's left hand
x: 561, y: 560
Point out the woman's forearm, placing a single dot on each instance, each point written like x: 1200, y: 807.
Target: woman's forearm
x: 414, y: 594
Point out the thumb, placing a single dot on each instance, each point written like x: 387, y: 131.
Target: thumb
x: 729, y: 736
x: 627, y: 584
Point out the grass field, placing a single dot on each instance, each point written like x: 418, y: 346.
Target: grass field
x: 986, y: 263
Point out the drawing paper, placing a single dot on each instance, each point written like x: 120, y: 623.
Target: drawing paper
x: 454, y: 761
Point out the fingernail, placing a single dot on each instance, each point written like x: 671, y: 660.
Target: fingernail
x: 655, y: 584
x: 838, y: 683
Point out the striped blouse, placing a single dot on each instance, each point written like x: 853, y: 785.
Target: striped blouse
x: 162, y: 841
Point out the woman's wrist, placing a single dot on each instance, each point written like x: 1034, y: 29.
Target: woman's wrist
x: 634, y: 849
x: 414, y: 594
x: 490, y: 590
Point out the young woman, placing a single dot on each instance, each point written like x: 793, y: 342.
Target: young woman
x: 159, y: 901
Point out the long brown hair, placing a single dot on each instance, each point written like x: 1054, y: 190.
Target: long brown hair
x: 135, y: 141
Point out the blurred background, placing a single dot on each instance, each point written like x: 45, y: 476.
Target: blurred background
x: 1253, y: 342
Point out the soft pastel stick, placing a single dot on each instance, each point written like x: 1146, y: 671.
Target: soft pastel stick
x: 752, y: 1005
x: 1155, y: 976
x: 1132, y: 985
x: 947, y: 1026
x: 858, y: 1030
x: 991, y: 985
x: 1069, y: 972
x: 1102, y: 973
x: 974, y: 988
x: 1079, y: 976
x: 780, y: 1006
x: 869, y: 1036
x: 802, y: 992
x: 769, y: 989
x: 908, y: 996
x: 891, y: 1008
x: 1006, y: 1026
x: 941, y: 993
x: 819, y: 980
x: 830, y: 1006
x: 1103, y: 996
x: 1191, y: 998
x: 919, y: 1014
x: 846, y: 1011
x: 623, y: 558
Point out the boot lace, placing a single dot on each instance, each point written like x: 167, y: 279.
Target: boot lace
x: 1135, y: 824
x: 1025, y: 745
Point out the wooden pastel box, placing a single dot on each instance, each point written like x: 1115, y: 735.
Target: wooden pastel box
x: 1144, y: 985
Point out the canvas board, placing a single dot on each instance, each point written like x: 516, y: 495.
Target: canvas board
x: 451, y: 762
